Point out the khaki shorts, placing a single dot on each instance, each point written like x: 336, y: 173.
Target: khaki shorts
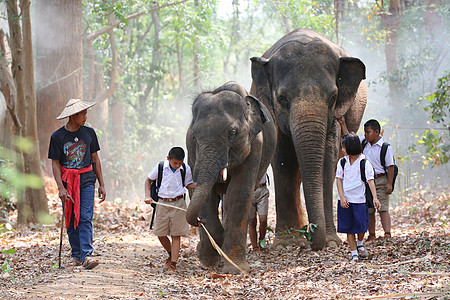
x: 171, y: 221
x: 380, y: 184
x: 260, y: 203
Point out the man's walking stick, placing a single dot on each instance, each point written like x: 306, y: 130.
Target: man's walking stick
x: 61, y: 234
x: 62, y: 228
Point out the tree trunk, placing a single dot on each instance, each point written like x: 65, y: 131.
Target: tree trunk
x: 18, y: 76
x: 8, y: 89
x: 391, y: 23
x: 31, y: 203
x: 180, y: 66
x: 34, y: 197
x: 196, y: 71
x: 59, y: 63
x: 338, y: 15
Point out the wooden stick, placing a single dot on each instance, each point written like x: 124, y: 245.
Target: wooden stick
x: 402, y: 296
x: 61, y: 235
x: 213, y: 243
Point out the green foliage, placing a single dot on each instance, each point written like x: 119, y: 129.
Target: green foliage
x: 439, y: 101
x: 306, y: 231
x: 12, y: 180
x: 6, y: 267
x: 317, y: 15
x: 436, y: 142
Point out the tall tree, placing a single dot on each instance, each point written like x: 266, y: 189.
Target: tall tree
x: 59, y: 63
x: 391, y: 22
x: 33, y: 203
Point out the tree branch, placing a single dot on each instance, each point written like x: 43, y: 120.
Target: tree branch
x: 114, y: 74
x: 106, y: 29
x: 7, y: 86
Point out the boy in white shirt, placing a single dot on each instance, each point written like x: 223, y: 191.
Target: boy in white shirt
x: 171, y: 221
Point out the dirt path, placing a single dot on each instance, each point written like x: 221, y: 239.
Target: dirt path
x: 414, y: 263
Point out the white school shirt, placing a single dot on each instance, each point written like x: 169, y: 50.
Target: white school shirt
x: 263, y: 179
x: 172, y: 183
x: 354, y: 187
x: 372, y: 152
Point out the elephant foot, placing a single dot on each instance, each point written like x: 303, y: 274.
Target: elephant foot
x: 230, y: 268
x: 282, y: 241
x: 208, y: 256
x: 333, y: 241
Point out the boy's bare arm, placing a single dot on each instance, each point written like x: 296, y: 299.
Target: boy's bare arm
x: 390, y: 175
x: 99, y: 173
x: 191, y: 185
x: 147, y: 185
x: 344, y: 129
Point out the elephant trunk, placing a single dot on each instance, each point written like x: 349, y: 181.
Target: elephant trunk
x: 198, y: 200
x: 309, y: 128
x: 209, y: 170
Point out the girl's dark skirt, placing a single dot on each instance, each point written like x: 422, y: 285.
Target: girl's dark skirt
x: 354, y: 219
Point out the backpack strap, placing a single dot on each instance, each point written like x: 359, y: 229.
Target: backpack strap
x: 383, y: 155
x: 363, y: 144
x: 343, y: 161
x: 362, y: 166
x: 160, y: 172
x: 183, y: 173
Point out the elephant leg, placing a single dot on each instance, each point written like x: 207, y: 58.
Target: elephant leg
x: 205, y: 251
x: 237, y: 209
x: 331, y: 154
x: 287, y: 193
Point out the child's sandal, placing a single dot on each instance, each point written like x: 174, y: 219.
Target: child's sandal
x: 362, y: 251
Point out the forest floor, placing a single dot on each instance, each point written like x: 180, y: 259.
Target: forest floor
x: 413, y: 264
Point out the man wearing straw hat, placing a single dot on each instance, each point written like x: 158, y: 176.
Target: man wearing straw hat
x: 76, y: 166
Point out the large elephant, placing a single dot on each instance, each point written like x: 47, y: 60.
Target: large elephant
x: 306, y: 81
x: 231, y: 133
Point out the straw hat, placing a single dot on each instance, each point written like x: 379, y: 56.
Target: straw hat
x: 74, y: 106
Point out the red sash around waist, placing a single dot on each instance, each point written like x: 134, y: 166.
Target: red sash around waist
x: 72, y: 178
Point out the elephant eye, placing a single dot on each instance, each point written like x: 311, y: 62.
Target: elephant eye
x: 283, y: 101
x: 333, y: 98
x: 232, y: 133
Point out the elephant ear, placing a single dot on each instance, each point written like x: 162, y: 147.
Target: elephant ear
x: 260, y: 75
x: 351, y: 71
x: 258, y: 116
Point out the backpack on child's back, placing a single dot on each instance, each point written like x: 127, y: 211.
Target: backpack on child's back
x: 383, y: 160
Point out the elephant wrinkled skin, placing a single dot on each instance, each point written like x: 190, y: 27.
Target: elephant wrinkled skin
x: 306, y: 81
x: 231, y: 130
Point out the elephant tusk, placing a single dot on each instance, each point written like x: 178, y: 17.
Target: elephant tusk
x: 224, y: 174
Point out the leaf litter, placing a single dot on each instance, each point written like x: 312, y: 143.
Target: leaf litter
x: 413, y: 264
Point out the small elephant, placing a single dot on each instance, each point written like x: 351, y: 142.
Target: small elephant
x: 231, y: 133
x: 306, y: 82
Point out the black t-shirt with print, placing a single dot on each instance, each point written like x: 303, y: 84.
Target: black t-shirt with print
x: 74, y: 149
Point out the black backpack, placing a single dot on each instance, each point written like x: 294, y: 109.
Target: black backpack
x: 368, y: 193
x: 156, y: 184
x: 383, y: 160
